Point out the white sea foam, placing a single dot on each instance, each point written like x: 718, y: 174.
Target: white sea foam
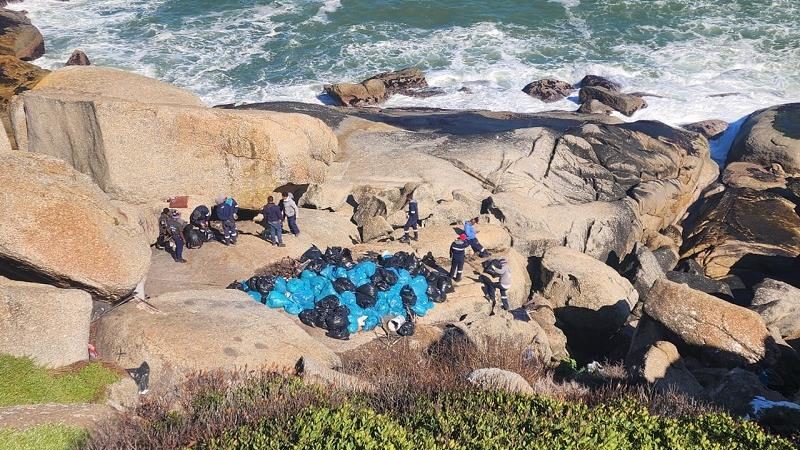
x: 328, y: 6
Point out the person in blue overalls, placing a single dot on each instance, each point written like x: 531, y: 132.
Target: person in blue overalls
x: 175, y: 228
x: 458, y: 251
x: 413, y: 219
x: 472, y: 238
x: 227, y: 210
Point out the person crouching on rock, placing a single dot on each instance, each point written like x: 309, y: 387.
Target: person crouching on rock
x: 413, y: 219
x: 472, y: 238
x: 200, y: 219
x: 227, y: 210
x: 500, y: 268
x: 290, y: 212
x: 175, y: 226
x: 274, y: 218
x: 457, y: 254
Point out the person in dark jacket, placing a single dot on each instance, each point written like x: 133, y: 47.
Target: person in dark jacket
x: 472, y: 238
x: 274, y: 219
x: 413, y: 219
x: 457, y: 254
x: 163, y: 229
x: 200, y: 218
x: 227, y: 211
x: 175, y: 226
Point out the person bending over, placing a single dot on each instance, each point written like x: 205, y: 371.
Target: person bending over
x: 472, y: 238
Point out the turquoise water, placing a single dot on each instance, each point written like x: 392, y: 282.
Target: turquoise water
x: 252, y: 50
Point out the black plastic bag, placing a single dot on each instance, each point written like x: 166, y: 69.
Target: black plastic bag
x: 312, y: 254
x: 338, y: 256
x: 364, y: 300
x: 429, y: 260
x: 325, y: 308
x: 384, y: 275
x: 382, y: 285
x: 330, y: 302
x: 338, y: 319
x: 194, y: 239
x: 367, y: 289
x: 343, y: 285
x: 341, y: 334
x: 237, y: 285
x: 309, y: 317
x: 264, y: 284
x: 406, y: 329
x: 434, y: 294
x: 445, y: 284
x: 408, y: 296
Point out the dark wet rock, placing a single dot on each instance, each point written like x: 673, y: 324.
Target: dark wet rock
x: 548, y: 90
x: 709, y: 128
x: 770, y: 136
x: 702, y: 283
x: 625, y: 103
x: 749, y: 233
x: 78, y: 58
x: 401, y: 80
x: 596, y: 80
x: 18, y: 37
x: 666, y: 257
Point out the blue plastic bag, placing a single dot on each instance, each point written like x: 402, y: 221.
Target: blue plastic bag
x: 371, y: 322
x: 280, y: 284
x: 348, y: 299
x: 308, y: 275
x: 293, y: 308
x: 368, y: 267
x: 255, y: 295
x: 276, y: 299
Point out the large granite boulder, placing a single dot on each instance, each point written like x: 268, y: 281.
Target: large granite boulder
x: 331, y: 195
x: 725, y: 333
x: 144, y: 153
x: 642, y: 268
x: 499, y: 379
x: 47, y: 324
x: 750, y: 233
x: 548, y: 90
x: 770, y: 136
x: 18, y: 37
x: 188, y: 331
x: 590, y: 299
x: 778, y: 304
x: 60, y: 228
x: 625, y: 103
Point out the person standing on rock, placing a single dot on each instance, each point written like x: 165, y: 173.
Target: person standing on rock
x: 290, y: 211
x: 274, y: 219
x: 457, y: 255
x: 163, y: 229
x: 413, y: 220
x: 227, y: 210
x: 175, y: 226
x: 472, y: 238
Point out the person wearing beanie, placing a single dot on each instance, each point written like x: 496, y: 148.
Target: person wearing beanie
x: 274, y: 219
x: 457, y: 255
x: 413, y: 219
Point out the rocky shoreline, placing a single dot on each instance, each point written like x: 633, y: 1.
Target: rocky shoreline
x: 627, y: 241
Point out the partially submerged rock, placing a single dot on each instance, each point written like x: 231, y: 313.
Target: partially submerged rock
x: 595, y: 107
x: 47, y: 324
x: 78, y: 58
x: 60, y: 228
x: 596, y: 80
x: 377, y: 89
x: 548, y: 90
x: 625, y: 103
x: 182, y: 332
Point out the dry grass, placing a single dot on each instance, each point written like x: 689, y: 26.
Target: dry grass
x: 286, y: 267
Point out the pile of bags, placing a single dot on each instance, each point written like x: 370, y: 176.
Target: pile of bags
x: 342, y: 296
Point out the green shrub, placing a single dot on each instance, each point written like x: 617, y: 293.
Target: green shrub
x: 23, y: 382
x: 43, y: 437
x: 476, y: 420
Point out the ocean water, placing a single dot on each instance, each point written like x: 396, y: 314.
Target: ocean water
x: 704, y: 59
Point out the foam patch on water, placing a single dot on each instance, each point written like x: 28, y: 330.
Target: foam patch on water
x: 328, y: 7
